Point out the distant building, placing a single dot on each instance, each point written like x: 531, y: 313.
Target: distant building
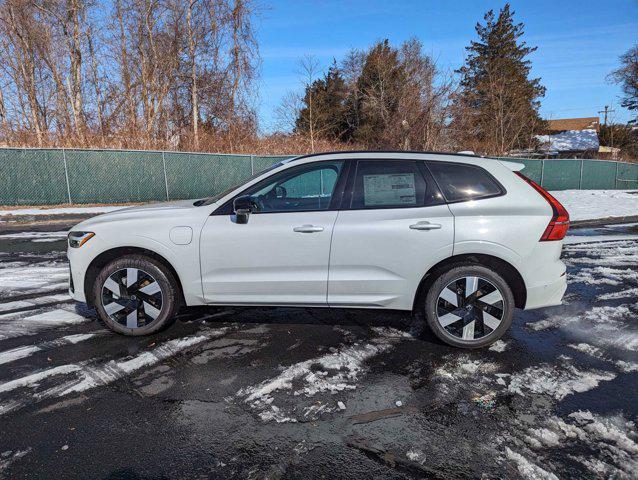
x: 564, y: 124
x: 570, y: 138
x: 570, y: 143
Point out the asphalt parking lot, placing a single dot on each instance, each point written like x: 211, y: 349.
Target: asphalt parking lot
x: 301, y: 393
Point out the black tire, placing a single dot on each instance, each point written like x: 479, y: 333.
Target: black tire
x: 435, y: 308
x: 168, y: 295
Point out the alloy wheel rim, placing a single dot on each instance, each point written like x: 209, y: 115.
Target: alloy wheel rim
x: 470, y: 308
x: 132, y: 297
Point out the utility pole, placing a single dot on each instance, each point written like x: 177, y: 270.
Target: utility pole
x: 606, y: 111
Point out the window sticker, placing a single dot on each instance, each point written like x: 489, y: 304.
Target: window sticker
x: 389, y: 189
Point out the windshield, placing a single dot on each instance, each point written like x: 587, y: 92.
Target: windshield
x: 215, y: 198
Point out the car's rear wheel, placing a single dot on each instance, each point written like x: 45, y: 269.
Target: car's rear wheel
x: 136, y: 295
x: 469, y: 306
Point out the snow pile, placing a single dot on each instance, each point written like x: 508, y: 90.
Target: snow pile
x: 556, y: 382
x: 593, y: 204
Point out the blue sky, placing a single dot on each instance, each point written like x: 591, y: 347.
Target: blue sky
x: 578, y: 42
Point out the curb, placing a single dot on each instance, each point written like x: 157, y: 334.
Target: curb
x: 599, y: 222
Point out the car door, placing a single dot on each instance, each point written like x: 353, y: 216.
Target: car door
x: 280, y: 255
x: 393, y: 226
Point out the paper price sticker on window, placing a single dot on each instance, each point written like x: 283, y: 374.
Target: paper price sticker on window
x: 389, y: 189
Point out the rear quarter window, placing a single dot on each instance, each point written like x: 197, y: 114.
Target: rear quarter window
x: 461, y: 182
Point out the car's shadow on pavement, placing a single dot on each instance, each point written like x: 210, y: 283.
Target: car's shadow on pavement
x: 412, y: 324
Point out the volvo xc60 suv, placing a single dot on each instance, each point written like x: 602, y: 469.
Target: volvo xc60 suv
x: 462, y: 239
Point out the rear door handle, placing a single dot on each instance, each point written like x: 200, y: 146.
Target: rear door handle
x: 425, y: 226
x: 307, y: 229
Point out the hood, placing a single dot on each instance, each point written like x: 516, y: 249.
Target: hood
x: 165, y: 209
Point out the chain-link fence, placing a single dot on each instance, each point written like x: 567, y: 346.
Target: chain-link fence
x: 55, y: 176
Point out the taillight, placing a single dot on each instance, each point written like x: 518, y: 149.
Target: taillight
x: 559, y: 224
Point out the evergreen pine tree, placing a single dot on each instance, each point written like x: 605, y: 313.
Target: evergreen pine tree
x: 496, y: 109
x: 324, y: 107
x: 380, y: 86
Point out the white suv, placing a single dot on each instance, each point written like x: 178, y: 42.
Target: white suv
x: 461, y: 238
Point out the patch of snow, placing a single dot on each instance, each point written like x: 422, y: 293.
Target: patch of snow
x: 416, y: 455
x: 627, y: 367
x: 332, y: 372
x: 17, y: 353
x: 462, y: 367
x: 603, y: 275
x: 556, y: 381
x: 33, y: 278
x: 527, y: 469
x: 60, y: 211
x: 613, y: 435
x: 629, y: 293
x: 604, y: 326
x: 89, y: 375
x: 498, y: 346
x: 35, y: 236
x: 15, y: 325
x: 606, y: 254
x: 340, y: 369
x: 593, y: 204
x: 10, y: 456
x: 33, y: 302
x: 21, y: 352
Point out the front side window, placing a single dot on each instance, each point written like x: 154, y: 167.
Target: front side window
x: 460, y: 182
x: 388, y: 184
x: 303, y: 188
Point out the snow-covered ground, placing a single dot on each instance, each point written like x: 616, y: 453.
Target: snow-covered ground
x: 78, y: 210
x: 593, y: 204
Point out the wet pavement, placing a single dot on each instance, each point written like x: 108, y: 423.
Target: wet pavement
x: 302, y: 393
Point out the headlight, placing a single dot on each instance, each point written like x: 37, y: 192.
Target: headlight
x: 77, y: 239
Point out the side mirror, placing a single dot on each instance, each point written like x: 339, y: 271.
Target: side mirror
x: 243, y: 207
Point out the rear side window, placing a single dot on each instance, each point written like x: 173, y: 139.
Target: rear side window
x: 461, y: 182
x: 388, y: 184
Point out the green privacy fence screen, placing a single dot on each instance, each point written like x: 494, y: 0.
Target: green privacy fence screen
x: 55, y: 176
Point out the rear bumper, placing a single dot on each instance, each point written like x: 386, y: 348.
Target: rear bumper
x: 546, y: 295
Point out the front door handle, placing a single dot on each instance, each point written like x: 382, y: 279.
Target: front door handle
x: 307, y: 229
x: 425, y: 226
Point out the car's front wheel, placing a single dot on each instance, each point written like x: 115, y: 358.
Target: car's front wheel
x: 469, y: 306
x: 136, y: 295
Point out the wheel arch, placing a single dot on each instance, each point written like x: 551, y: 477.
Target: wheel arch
x: 105, y: 257
x: 504, y: 268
